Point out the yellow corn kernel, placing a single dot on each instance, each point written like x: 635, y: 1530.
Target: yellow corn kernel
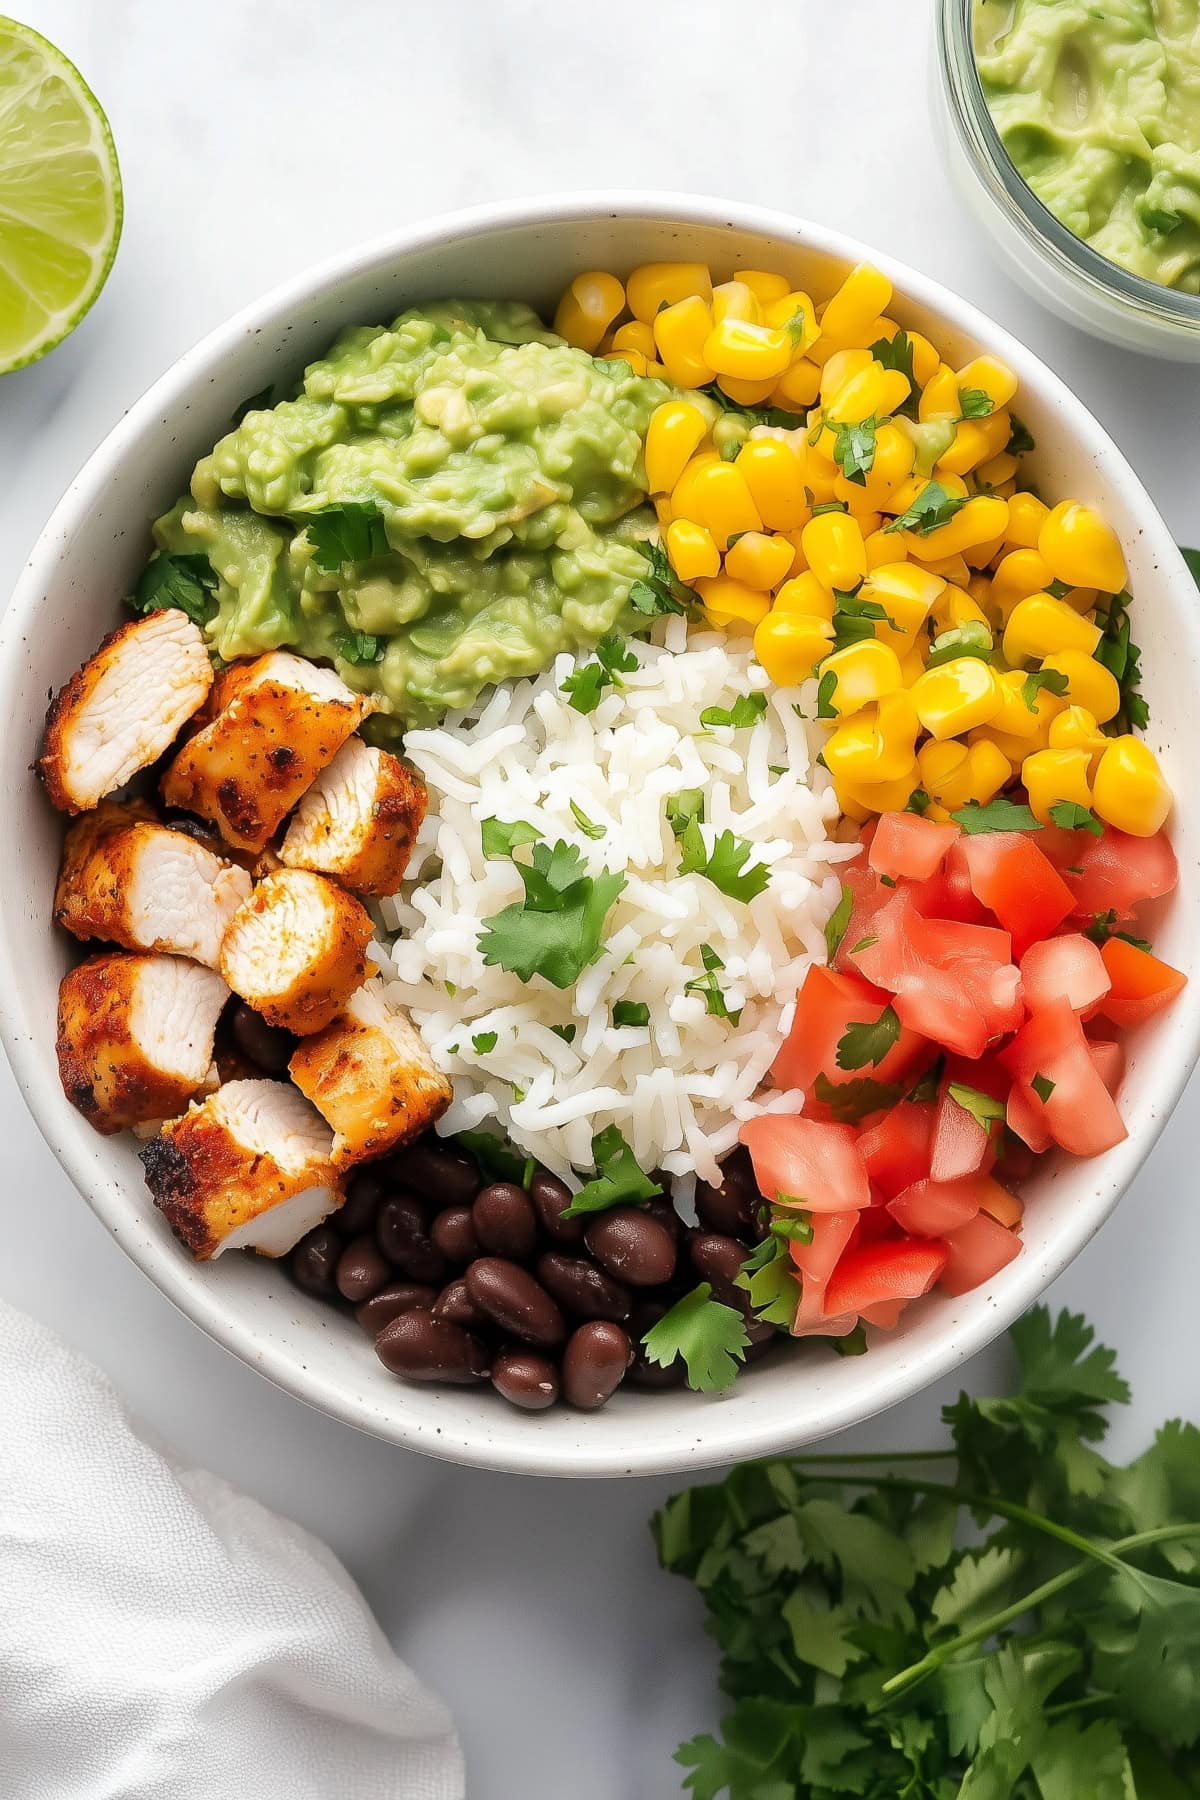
x: 807, y: 596
x: 633, y: 335
x: 1026, y: 516
x: 691, y: 550
x: 758, y: 560
x: 1089, y: 683
x: 939, y: 397
x: 950, y: 568
x: 988, y: 770
x: 735, y: 300
x: 867, y: 521
x: 798, y: 386
x: 1041, y: 626
x: 1075, y: 728
x: 794, y: 313
x: 799, y: 560
x: 762, y: 284
x: 906, y: 594
x: 751, y: 352
x: 990, y: 376
x: 1131, y: 792
x: 842, y: 367
x: 899, y: 728
x: 1024, y: 721
x: 882, y: 548
x: 638, y: 364
x: 729, y: 602
x: 789, y: 645
x: 953, y: 773
x: 967, y: 450
x: 863, y: 295
x: 865, y: 671
x: 875, y: 392
x: 954, y: 606
x: 926, y: 361
x: 680, y: 334
x: 1019, y: 574
x: 588, y: 307
x: 820, y: 474
x: 655, y: 285
x: 1081, y: 549
x: 980, y: 589
x: 912, y: 663
x: 833, y: 546
x: 676, y: 430
x: 746, y: 393
x: 998, y: 471
x: 681, y: 493
x: 903, y: 496
x: 980, y: 556
x: 1081, y: 600
x: 976, y: 523
x: 860, y: 799
x: 662, y: 510
x: 716, y: 497
x: 854, y: 750
x: 775, y: 476
x: 956, y: 696
x: 1052, y: 776
x: 895, y: 454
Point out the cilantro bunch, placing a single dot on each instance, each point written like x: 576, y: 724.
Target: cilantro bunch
x: 1015, y: 1618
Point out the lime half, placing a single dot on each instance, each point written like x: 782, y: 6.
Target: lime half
x: 60, y: 196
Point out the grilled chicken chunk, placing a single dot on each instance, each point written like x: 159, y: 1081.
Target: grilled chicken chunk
x: 278, y: 721
x: 358, y: 821
x: 371, y: 1077
x: 135, y: 1036
x: 294, y: 950
x: 123, y: 708
x: 133, y: 882
x: 248, y: 1168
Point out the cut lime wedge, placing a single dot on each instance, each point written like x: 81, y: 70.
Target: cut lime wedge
x: 60, y: 196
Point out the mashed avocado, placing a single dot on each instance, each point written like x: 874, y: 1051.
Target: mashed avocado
x: 471, y: 483
x: 1098, y: 105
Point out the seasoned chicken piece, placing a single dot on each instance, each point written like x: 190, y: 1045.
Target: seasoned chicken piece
x: 131, y: 881
x: 294, y: 950
x: 135, y: 1036
x: 281, y: 721
x: 359, y: 820
x: 123, y: 708
x: 371, y: 1077
x: 248, y: 1168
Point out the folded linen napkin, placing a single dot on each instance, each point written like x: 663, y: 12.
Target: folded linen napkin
x: 163, y: 1637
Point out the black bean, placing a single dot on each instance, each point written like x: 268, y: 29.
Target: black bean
x: 662, y: 1208
x: 428, y: 1349
x: 505, y: 1222
x: 525, y: 1379
x: 582, y: 1288
x: 362, y: 1270
x: 404, y: 1239
x: 732, y: 1208
x: 438, y: 1172
x: 363, y: 1197
x: 454, y: 1303
x: 267, y: 1047
x: 453, y: 1232
x: 551, y: 1197
x: 632, y: 1246
x: 315, y: 1259
x: 594, y: 1363
x: 398, y: 1297
x: 511, y: 1297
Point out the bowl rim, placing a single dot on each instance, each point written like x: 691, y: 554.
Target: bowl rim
x: 716, y: 1441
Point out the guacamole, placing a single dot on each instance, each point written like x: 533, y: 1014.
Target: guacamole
x: 1098, y: 105
x: 473, y: 487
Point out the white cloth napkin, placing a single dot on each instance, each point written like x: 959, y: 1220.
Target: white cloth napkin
x: 163, y: 1637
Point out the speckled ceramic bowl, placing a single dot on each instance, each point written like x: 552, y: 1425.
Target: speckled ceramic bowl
x: 69, y: 596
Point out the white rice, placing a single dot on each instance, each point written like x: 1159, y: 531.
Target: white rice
x: 679, y: 1088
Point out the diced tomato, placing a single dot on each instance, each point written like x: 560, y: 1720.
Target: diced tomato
x: 960, y: 1144
x: 1078, y: 1110
x: 975, y: 1252
x: 826, y: 1005
x: 809, y: 1162
x: 908, y: 847
x: 1020, y: 885
x: 1070, y: 966
x: 948, y: 894
x: 813, y: 1321
x: 952, y: 981
x: 1118, y: 873
x: 1026, y: 1117
x: 886, y: 1315
x: 888, y: 1270
x: 1015, y: 1161
x: 1108, y: 1060
x: 1140, y: 984
x: 895, y: 1150
x: 868, y: 897
x: 831, y: 1232
x: 928, y: 1209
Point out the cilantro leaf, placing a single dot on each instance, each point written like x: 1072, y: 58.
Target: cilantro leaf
x: 1021, y: 439
x: 630, y: 1012
x: 359, y: 646
x: 868, y: 1042
x: 974, y: 404
x: 1192, y: 559
x: 566, y: 1032
x: 1122, y: 657
x: 1073, y: 817
x: 660, y: 591
x: 853, y: 620
x: 933, y: 506
x: 1043, y: 1087
x: 685, y: 808
x: 768, y: 1276
x: 484, y: 1042
x: 826, y: 689
x: 969, y: 639
x: 186, y: 583
x: 618, y: 1180
x: 556, y: 931
x: 854, y: 449
x: 707, y: 984
x: 585, y: 686
x: 588, y: 826
x: 495, y: 1160
x: 710, y: 1337
x: 983, y: 1108
x: 500, y: 837
x: 746, y: 710
x: 838, y: 920
x: 776, y: 416
x: 349, y: 532
x: 851, y: 1101
x: 998, y: 815
x: 918, y: 802
x: 896, y: 353
x: 1053, y: 680
x: 726, y: 865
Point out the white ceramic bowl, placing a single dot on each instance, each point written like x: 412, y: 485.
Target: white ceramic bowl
x: 70, y: 594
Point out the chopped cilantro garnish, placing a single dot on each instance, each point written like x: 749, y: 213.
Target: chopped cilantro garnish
x: 725, y: 865
x: 186, y: 584
x: 685, y: 808
x: 854, y: 449
x: 1122, y: 657
x: 500, y: 837
x: 359, y: 646
x: 932, y: 507
x: 864, y: 943
x: 496, y: 1162
x: 918, y: 802
x: 708, y: 985
x: 768, y: 1275
x: 974, y: 404
x: 829, y: 506
x: 836, y: 923
x: 851, y: 1101
x: 630, y: 1012
x: 484, y: 1042
x: 757, y: 415
x: 1020, y: 439
x: 565, y: 1032
x: 854, y: 619
x: 586, y: 825
x: 851, y: 1343
x: 584, y: 687
x: 826, y: 689
x: 926, y: 1088
x: 868, y: 1042
x: 349, y: 532
x: 746, y: 709
x: 1053, y: 680
x: 710, y: 1337
x: 1104, y: 926
x: 618, y: 1181
x: 556, y: 931
x: 998, y: 815
x: 969, y: 639
x: 1043, y: 1087
x: 1073, y: 817
x: 982, y: 1107
x: 661, y: 591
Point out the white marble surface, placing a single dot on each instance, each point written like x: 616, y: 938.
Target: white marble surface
x: 255, y: 138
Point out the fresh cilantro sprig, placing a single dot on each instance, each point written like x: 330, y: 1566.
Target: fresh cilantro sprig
x: 727, y: 865
x: 584, y: 687
x: 660, y: 590
x: 876, y: 1646
x: 493, y: 1157
x: 933, y: 506
x: 557, y: 930
x: 710, y: 1336
x: 769, y: 1277
x: 998, y: 815
x: 618, y: 1180
x: 500, y: 837
x: 350, y: 532
x: 1071, y: 816
x: 187, y: 584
